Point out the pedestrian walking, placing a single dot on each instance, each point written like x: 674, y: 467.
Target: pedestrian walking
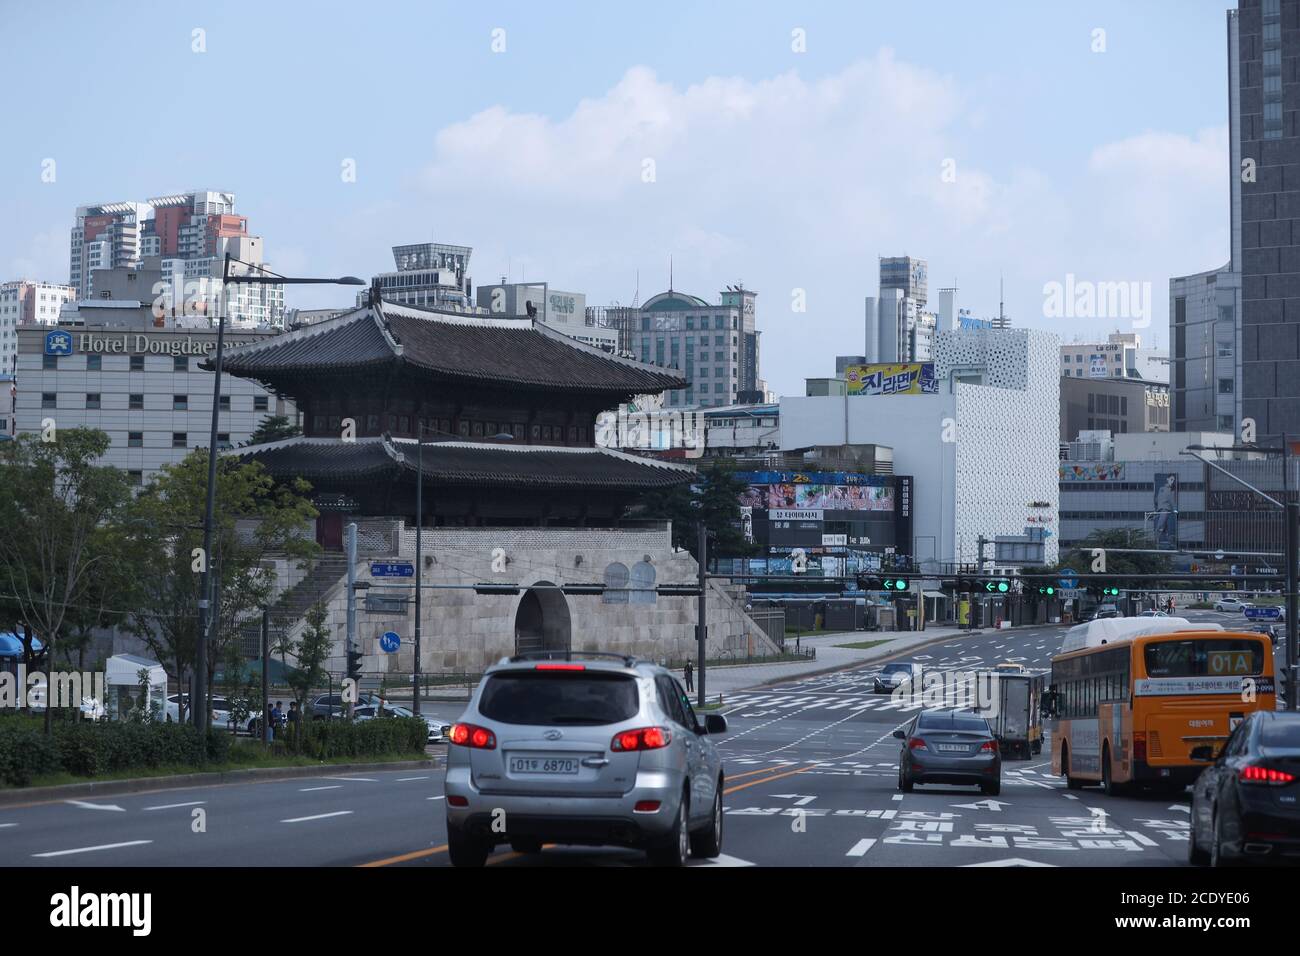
x: 689, y: 672
x: 277, y: 718
x: 294, y: 714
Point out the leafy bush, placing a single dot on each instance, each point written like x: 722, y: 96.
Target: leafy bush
x: 324, y: 739
x: 25, y: 752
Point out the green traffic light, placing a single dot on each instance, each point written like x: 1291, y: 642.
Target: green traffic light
x: 1003, y: 586
x: 1051, y: 590
x: 901, y: 585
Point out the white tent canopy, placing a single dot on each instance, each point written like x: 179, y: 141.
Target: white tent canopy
x: 125, y: 669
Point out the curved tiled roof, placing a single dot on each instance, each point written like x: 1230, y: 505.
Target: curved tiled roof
x: 465, y: 463
x: 459, y: 348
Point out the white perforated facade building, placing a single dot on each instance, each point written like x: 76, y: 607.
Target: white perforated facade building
x: 983, y: 452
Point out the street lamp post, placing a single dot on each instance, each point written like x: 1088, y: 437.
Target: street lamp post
x: 206, y: 597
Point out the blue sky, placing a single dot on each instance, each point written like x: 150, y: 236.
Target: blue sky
x: 791, y: 171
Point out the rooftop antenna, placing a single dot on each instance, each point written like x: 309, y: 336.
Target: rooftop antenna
x: 636, y: 296
x: 670, y: 272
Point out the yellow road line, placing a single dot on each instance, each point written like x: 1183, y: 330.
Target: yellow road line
x: 778, y: 776
x: 406, y: 856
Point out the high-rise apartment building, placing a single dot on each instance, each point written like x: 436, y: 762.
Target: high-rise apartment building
x: 190, y: 233
x: 27, y: 303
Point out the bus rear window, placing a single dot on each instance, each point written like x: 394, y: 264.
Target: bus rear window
x: 1226, y: 657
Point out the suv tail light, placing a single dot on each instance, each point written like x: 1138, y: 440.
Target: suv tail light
x: 643, y: 738
x: 989, y: 746
x: 1265, y: 775
x: 916, y: 743
x: 471, y: 735
x: 1139, y: 745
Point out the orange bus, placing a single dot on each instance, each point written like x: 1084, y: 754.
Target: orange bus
x: 1130, y: 698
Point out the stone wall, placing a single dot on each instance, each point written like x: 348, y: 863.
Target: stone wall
x: 464, y: 632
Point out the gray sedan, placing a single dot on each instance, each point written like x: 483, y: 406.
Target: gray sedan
x: 949, y: 746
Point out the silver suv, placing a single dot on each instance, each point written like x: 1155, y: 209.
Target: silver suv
x: 585, y: 748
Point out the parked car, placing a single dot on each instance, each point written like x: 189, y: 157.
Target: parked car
x: 594, y: 749
x: 371, y: 711
x: 949, y: 746
x: 222, y: 718
x: 1230, y: 604
x: 893, y: 676
x: 1107, y: 610
x: 332, y: 705
x: 1246, y: 804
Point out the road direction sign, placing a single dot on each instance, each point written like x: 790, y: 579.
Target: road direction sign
x: 1263, y: 612
x: 392, y: 569
x: 1069, y: 579
x: 390, y: 642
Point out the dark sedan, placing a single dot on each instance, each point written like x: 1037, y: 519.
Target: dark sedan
x: 1246, y: 804
x: 949, y: 746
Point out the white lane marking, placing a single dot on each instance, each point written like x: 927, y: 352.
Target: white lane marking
x: 94, y: 806
x: 90, y: 849
x: 173, y: 806
x: 350, y: 779
x: 1069, y: 796
x: 318, y: 816
x: 334, y: 786
x: 1141, y: 838
x: 721, y: 860
x: 3, y: 825
x: 404, y: 779
x: 897, y: 796
x: 861, y: 847
x: 1181, y: 807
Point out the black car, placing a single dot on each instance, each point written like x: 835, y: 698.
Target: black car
x: 1246, y: 804
x: 949, y: 746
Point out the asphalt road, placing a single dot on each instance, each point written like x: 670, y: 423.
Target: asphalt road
x: 811, y: 781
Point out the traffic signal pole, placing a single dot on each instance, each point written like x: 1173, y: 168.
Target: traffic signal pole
x: 350, y: 540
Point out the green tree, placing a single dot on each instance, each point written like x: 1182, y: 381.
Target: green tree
x: 715, y: 496
x: 56, y: 517
x: 311, y: 650
x: 273, y: 428
x: 257, y: 520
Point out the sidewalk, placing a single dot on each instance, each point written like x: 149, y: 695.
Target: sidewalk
x: 725, y: 680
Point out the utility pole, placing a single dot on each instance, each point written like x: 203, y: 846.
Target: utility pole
x: 350, y: 545
x: 1292, y: 555
x: 702, y: 627
x: 266, y: 676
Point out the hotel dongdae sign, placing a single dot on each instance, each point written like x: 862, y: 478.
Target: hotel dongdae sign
x: 915, y: 378
x: 60, y: 342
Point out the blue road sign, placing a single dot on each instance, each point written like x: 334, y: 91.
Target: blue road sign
x: 1069, y: 579
x: 390, y: 642
x: 392, y: 569
x: 1265, y: 612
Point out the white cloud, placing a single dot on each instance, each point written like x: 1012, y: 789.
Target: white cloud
x: 789, y: 182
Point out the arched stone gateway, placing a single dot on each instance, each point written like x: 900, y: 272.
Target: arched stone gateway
x: 542, y: 620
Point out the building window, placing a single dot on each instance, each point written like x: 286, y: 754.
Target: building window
x: 49, y: 362
x: 180, y: 403
x: 643, y: 583
x: 179, y: 440
x: 180, y: 363
x: 223, y: 439
x: 92, y: 399
x: 135, y: 478
x: 94, y: 363
x: 259, y: 403
x: 135, y: 440
x: 137, y: 363
x: 135, y: 401
x: 49, y: 400
x: 1225, y: 386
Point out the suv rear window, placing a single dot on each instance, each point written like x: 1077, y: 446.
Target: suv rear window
x: 559, y: 697
x: 1280, y: 733
x: 953, y: 722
